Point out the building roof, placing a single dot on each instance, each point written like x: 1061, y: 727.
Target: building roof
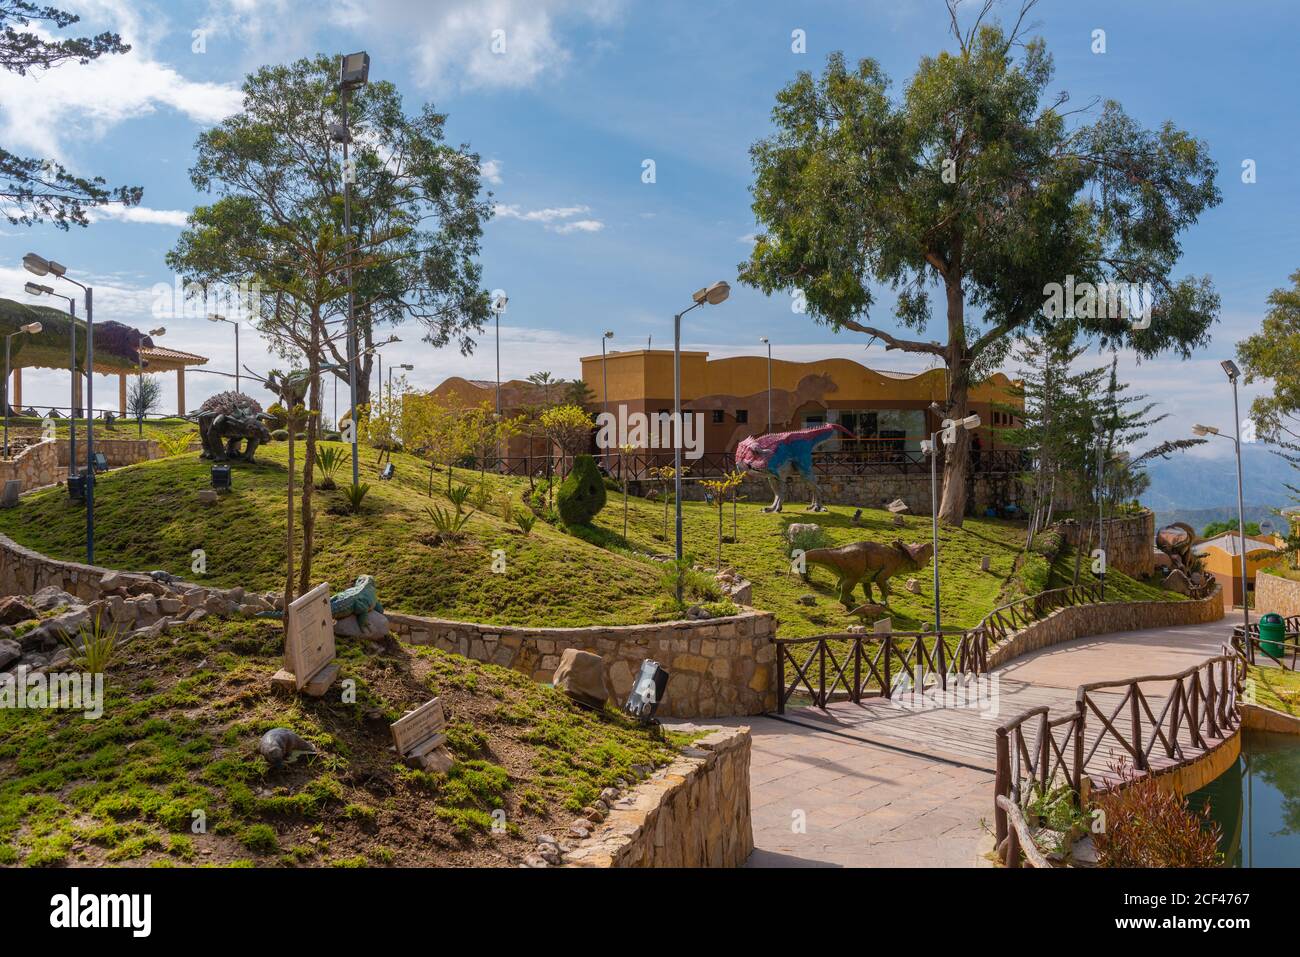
x: 1230, y: 542
x: 160, y: 357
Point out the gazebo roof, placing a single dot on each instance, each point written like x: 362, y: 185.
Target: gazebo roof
x: 160, y: 359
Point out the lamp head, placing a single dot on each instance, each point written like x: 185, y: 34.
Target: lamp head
x: 714, y: 294
x: 1204, y: 430
x: 609, y: 334
x: 407, y: 366
x: 160, y: 331
x: 971, y: 422
x: 1231, y: 369
x: 36, y: 289
x: 763, y: 339
x: 216, y: 317
x: 31, y: 328
x: 354, y: 70
x: 36, y: 265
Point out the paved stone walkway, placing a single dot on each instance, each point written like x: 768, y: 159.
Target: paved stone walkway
x: 854, y: 787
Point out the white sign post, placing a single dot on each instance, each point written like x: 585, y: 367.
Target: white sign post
x: 420, y: 739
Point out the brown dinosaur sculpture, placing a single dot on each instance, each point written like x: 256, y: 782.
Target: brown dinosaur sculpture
x: 869, y: 563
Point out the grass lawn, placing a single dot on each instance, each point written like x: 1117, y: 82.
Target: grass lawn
x: 182, y: 718
x: 148, y: 517
x: 1276, y: 688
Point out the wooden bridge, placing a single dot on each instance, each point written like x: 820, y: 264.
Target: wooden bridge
x: 1054, y: 715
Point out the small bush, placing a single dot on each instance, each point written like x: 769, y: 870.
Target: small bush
x: 525, y: 520
x: 260, y: 838
x: 459, y: 495
x: 356, y: 494
x: 280, y: 435
x: 1145, y: 825
x: 807, y: 539
x: 582, y: 495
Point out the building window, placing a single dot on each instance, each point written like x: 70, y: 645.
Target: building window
x: 718, y: 417
x: 742, y: 415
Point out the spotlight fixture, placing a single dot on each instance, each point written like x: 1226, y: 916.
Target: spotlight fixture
x: 647, y: 691
x: 221, y: 477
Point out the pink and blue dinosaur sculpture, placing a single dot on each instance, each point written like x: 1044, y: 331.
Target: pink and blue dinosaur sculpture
x: 778, y: 455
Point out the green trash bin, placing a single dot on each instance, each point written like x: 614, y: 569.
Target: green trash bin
x: 1272, y: 633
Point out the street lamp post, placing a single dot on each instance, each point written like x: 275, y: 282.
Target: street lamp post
x: 39, y: 266
x: 768, y: 342
x: 30, y: 329
x: 1101, y: 492
x: 354, y: 71
x: 712, y: 295
x: 36, y: 289
x: 1233, y: 373
x: 217, y: 318
x: 405, y: 365
x: 604, y: 388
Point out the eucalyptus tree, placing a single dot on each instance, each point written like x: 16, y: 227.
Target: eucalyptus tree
x: 989, y: 207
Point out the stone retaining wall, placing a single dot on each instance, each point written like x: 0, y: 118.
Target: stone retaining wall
x: 694, y: 813
x: 1130, y: 541
x: 35, y: 466
x: 1275, y: 593
x: 1082, y: 621
x: 118, y: 452
x: 717, y: 667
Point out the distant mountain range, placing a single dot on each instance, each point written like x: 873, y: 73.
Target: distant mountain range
x: 1198, y: 491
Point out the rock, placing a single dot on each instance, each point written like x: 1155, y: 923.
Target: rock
x: 809, y: 600
x: 207, y: 496
x: 347, y: 627
x: 375, y: 627
x: 857, y: 629
x: 547, y: 839
x: 169, y: 606
x: 594, y: 814
x: 53, y: 630
x: 914, y: 586
x: 216, y: 605
x: 984, y: 563
x: 898, y: 506
x: 256, y: 601
x: 13, y: 610
x: 581, y: 676
x: 549, y: 853
x: 535, y: 860
x: 194, y: 598
x: 10, y: 651
x: 1178, y: 581
x: 738, y: 589
x: 900, y: 522
x: 697, y: 613
x: 111, y: 581
x: 797, y: 528
x: 50, y: 597
x: 198, y: 614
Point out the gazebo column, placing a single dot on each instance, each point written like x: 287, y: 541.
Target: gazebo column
x: 121, y: 391
x: 180, y: 391
x: 18, y: 388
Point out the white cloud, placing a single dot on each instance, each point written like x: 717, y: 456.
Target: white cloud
x: 140, y: 214
x: 490, y: 170
x: 456, y: 41
x: 557, y: 219
x: 45, y: 111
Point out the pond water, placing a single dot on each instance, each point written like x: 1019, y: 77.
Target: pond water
x: 1256, y: 802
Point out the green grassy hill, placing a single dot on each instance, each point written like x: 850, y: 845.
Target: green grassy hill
x: 148, y: 517
x: 179, y: 733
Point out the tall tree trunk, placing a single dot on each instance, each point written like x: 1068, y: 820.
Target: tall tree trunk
x: 309, y: 466
x: 952, y: 507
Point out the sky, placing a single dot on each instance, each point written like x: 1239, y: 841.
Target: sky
x: 565, y: 118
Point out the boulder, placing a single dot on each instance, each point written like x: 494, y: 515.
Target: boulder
x: 10, y: 651
x: 581, y: 676
x: 914, y: 586
x: 375, y: 626
x: 207, y: 496
x: 13, y: 610
x: 797, y: 528
x: 1178, y: 581
x: 347, y: 627
x: 51, y: 597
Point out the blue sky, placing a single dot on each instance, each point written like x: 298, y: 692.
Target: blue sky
x: 586, y: 91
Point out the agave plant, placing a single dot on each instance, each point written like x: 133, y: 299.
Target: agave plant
x: 97, y: 648
x: 459, y: 495
x: 448, y: 524
x: 175, y: 443
x: 330, y: 459
x: 356, y: 494
x: 525, y: 520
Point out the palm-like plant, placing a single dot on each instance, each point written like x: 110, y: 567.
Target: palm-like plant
x: 356, y: 494
x: 330, y: 459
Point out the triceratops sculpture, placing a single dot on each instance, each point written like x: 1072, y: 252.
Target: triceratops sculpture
x: 778, y: 455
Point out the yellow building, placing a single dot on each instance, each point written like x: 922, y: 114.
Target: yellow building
x: 885, y: 411
x: 1220, y: 556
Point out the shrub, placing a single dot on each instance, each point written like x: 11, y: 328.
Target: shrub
x: 175, y: 443
x: 333, y: 437
x: 582, y: 495
x: 1145, y: 825
x: 808, y: 539
x: 448, y: 524
x: 459, y: 495
x: 356, y: 494
x: 280, y: 435
x: 98, y: 647
x: 525, y: 520
x: 330, y: 459
x: 279, y: 416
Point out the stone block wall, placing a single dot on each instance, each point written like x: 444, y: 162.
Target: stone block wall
x: 1081, y: 621
x: 1130, y: 541
x: 717, y: 667
x: 35, y: 466
x: 1275, y: 593
x: 693, y: 813
x: 118, y: 451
